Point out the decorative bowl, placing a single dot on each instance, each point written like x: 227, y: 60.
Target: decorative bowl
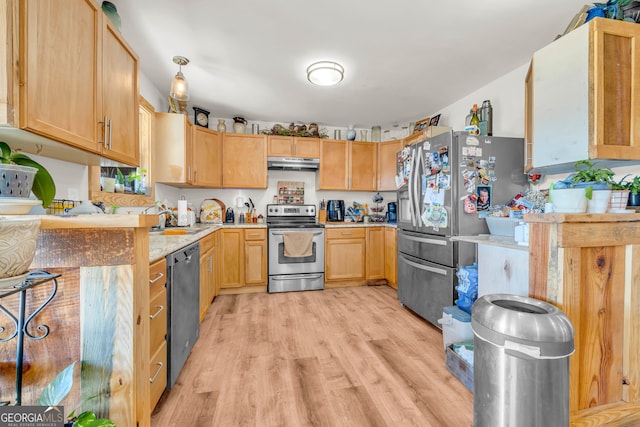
x: 18, y: 240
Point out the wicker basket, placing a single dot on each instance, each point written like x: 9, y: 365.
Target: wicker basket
x: 16, y: 181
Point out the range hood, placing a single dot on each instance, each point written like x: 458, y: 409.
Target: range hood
x: 293, y: 164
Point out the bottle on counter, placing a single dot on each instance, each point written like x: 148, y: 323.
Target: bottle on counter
x: 486, y: 113
x: 475, y: 120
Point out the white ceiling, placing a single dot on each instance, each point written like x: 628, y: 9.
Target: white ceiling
x: 403, y: 60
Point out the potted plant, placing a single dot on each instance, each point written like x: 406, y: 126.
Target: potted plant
x: 634, y: 190
x: 58, y: 389
x: 619, y: 195
x: 26, y: 176
x: 597, y: 184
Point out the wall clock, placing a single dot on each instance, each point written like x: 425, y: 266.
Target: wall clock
x: 201, y: 117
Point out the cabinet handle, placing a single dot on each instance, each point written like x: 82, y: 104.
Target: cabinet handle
x: 295, y: 144
x: 160, y: 365
x: 210, y: 264
x: 188, y: 173
x: 110, y: 133
x: 254, y: 235
x: 195, y: 176
x: 346, y: 233
x: 104, y: 131
x: 157, y: 277
x: 158, y: 311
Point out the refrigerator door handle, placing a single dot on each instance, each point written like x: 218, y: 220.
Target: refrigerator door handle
x: 424, y: 240
x: 439, y: 271
x: 417, y: 187
x: 410, y: 187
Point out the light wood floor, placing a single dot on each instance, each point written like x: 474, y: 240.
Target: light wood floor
x: 338, y: 357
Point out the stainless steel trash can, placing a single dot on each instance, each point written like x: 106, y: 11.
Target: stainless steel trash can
x: 521, y: 362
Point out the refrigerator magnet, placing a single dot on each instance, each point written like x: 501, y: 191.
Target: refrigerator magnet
x: 444, y: 181
x: 470, y: 205
x: 435, y: 216
x: 472, y: 140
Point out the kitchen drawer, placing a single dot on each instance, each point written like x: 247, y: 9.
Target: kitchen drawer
x: 255, y: 234
x: 158, y: 375
x: 157, y: 320
x: 345, y: 233
x: 157, y: 278
x: 207, y: 242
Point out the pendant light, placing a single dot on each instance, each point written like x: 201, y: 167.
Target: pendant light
x: 325, y: 73
x: 179, y: 87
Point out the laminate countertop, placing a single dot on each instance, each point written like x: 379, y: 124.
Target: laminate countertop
x: 161, y: 245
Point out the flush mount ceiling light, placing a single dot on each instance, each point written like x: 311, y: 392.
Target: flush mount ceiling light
x: 179, y: 87
x: 325, y: 73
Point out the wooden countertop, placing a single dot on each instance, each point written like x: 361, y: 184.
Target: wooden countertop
x: 493, y: 240
x: 583, y: 217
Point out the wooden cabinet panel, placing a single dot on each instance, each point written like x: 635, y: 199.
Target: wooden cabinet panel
x: 255, y: 261
x: 585, y: 98
x: 391, y: 257
x: 206, y: 158
x: 172, y: 151
x: 387, y: 164
x: 244, y: 159
x: 308, y: 148
x: 290, y: 146
x: 347, y: 165
x: 64, y: 70
x: 157, y: 330
x: 85, y: 65
x: 207, y: 272
x: 232, y: 258
x: 375, y: 253
x: 120, y: 97
x: 587, y: 265
x: 158, y: 375
x: 363, y: 158
x: 345, y: 250
x: 334, y: 165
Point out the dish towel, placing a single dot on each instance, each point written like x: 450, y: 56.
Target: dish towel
x: 298, y: 244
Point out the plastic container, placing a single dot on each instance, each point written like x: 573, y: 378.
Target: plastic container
x: 456, y: 325
x: 502, y: 226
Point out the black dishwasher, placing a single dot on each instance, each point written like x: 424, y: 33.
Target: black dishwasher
x: 183, y: 320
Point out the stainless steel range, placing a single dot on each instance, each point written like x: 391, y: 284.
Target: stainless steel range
x: 296, y: 248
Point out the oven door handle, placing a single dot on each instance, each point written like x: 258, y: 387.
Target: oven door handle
x: 297, y: 276
x: 275, y: 233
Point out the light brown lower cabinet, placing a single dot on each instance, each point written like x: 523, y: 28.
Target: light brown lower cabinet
x: 157, y: 330
x: 391, y: 256
x: 208, y: 271
x: 375, y: 253
x: 243, y: 260
x: 345, y: 250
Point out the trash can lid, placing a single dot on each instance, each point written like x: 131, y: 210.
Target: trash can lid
x: 500, y: 317
x: 457, y: 313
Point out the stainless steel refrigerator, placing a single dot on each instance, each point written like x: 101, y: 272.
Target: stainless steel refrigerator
x: 451, y: 181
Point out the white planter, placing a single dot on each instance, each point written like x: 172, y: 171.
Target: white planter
x: 18, y: 241
x: 599, y: 202
x: 569, y: 200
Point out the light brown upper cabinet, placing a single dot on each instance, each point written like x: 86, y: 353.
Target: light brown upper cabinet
x: 72, y: 77
x: 244, y: 159
x: 585, y: 92
x: 173, y: 149
x: 387, y: 164
x: 206, y: 158
x: 293, y: 146
x: 347, y: 165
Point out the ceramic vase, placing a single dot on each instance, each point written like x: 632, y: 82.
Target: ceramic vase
x: 222, y: 126
x: 363, y: 135
x: 239, y: 127
x: 351, y: 133
x: 376, y: 133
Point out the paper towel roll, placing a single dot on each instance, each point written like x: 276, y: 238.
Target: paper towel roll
x: 183, y: 219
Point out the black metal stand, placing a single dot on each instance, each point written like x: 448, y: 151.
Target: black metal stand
x: 21, y: 322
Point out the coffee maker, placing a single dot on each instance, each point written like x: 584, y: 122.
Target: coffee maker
x: 392, y: 215
x: 335, y: 210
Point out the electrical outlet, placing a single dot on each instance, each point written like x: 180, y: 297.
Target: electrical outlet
x: 72, y: 194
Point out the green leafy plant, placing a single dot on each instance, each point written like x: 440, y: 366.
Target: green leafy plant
x: 44, y: 188
x: 633, y: 186
x: 586, y: 172
x: 58, y: 388
x: 119, y: 176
